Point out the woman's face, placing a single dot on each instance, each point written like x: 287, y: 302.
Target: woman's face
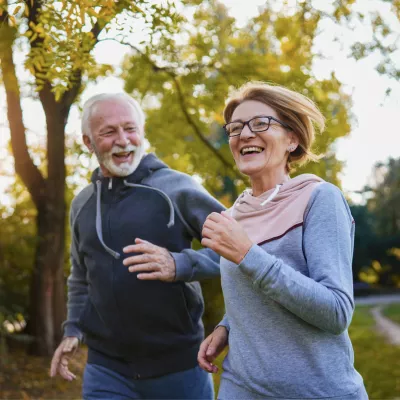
x: 269, y: 148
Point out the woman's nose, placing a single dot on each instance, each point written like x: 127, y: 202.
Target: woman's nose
x: 246, y: 133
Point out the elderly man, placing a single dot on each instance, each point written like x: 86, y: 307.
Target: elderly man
x: 132, y: 229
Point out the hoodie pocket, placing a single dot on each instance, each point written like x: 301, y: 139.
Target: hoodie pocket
x: 154, y: 314
x: 91, y: 322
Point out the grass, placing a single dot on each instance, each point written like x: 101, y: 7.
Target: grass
x: 392, y: 311
x: 377, y: 361
x: 26, y: 377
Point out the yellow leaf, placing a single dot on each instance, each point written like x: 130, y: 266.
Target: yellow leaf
x: 82, y: 15
x: 37, y: 65
x: 12, y: 20
x: 17, y: 9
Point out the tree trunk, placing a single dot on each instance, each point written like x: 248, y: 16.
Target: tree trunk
x: 48, y: 283
x: 47, y: 308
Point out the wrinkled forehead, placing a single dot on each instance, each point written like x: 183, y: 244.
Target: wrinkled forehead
x: 115, y: 108
x: 114, y: 112
x: 251, y: 108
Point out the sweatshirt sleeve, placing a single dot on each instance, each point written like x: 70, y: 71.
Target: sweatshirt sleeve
x: 193, y: 205
x: 77, y: 289
x: 325, y: 298
x: 224, y: 322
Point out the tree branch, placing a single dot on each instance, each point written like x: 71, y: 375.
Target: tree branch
x: 184, y: 108
x: 70, y: 95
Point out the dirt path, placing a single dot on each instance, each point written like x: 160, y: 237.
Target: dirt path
x: 387, y: 327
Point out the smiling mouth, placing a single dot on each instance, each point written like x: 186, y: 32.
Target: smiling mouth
x: 251, y: 150
x: 123, y: 155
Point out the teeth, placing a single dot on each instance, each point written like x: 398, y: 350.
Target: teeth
x: 251, y: 150
x: 122, y: 154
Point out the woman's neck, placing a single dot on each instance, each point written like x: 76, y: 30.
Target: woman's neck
x: 267, y: 181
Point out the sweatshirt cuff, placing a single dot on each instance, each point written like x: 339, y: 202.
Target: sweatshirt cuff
x: 183, y: 267
x: 224, y: 323
x: 72, y: 330
x: 256, y: 263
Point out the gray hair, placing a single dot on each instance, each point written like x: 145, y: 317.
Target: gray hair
x: 90, y: 104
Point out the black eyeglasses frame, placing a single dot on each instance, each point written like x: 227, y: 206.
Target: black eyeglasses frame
x: 244, y: 123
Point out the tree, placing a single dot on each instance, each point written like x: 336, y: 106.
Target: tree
x: 385, y: 199
x: 58, y: 39
x: 185, y: 80
x: 383, y: 208
x: 190, y: 77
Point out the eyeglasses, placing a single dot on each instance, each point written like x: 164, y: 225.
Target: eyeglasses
x: 256, y: 124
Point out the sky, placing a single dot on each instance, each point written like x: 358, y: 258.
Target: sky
x: 375, y: 133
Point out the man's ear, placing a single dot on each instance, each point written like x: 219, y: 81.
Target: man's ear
x: 88, y: 143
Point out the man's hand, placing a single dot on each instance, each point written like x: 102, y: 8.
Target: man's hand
x: 211, y: 348
x: 61, y: 357
x: 225, y: 236
x: 155, y: 263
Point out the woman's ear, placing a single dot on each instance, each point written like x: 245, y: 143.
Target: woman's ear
x: 293, y: 142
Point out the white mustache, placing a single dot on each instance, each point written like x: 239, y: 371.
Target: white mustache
x: 118, y: 149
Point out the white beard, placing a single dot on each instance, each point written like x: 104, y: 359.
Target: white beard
x: 124, y: 169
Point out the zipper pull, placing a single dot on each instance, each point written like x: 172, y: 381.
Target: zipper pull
x: 110, y: 184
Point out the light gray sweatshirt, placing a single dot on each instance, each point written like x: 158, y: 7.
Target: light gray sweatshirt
x: 288, y: 306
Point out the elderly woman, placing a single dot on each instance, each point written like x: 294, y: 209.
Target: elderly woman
x: 286, y: 251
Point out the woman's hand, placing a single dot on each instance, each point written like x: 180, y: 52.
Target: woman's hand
x: 225, y: 236
x: 211, y: 348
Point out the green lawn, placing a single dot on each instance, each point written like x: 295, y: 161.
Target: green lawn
x: 377, y: 361
x: 392, y: 311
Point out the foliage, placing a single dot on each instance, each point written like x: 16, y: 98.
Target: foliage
x: 377, y: 258
x: 62, y: 34
x: 385, y: 199
x: 17, y: 232
x: 185, y: 80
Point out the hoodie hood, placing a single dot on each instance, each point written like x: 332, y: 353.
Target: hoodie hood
x: 275, y: 212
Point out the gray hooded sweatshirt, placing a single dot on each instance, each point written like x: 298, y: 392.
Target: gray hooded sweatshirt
x: 289, y: 304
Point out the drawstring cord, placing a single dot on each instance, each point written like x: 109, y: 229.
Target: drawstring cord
x: 272, y: 195
x: 99, y: 229
x: 171, y: 221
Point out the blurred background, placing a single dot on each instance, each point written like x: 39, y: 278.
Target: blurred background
x: 181, y: 59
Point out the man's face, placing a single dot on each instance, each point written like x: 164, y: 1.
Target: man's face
x: 116, y: 137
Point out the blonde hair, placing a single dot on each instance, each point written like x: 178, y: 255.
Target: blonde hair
x: 296, y: 110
